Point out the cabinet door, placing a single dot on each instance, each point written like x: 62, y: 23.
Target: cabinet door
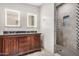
x: 6, y: 46
x: 10, y: 45
x: 24, y: 44
x: 35, y: 42
x: 13, y: 46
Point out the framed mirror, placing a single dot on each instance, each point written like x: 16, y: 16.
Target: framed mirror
x: 31, y: 20
x: 12, y: 18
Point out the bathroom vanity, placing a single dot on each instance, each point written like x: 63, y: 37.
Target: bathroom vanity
x: 19, y: 44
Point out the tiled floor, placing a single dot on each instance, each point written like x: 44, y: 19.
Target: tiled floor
x: 42, y: 53
x: 66, y: 51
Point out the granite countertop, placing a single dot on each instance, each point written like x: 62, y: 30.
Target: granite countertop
x: 21, y: 34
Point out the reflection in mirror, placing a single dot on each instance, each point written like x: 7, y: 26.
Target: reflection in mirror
x: 31, y: 20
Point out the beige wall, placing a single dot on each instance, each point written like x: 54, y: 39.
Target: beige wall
x: 24, y: 8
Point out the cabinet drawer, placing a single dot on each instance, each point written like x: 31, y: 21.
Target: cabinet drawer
x: 23, y: 44
x: 24, y: 40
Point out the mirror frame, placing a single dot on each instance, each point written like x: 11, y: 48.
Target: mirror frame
x: 35, y: 19
x: 15, y: 11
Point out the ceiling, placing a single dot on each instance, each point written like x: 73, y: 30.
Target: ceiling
x: 36, y: 4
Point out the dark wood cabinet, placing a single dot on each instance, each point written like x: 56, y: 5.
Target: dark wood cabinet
x: 34, y: 42
x: 10, y: 45
x: 19, y: 44
x: 1, y: 46
x: 24, y: 44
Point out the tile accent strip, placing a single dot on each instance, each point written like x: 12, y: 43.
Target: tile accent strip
x: 77, y: 24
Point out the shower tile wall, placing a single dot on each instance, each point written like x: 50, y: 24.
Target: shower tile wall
x: 67, y: 38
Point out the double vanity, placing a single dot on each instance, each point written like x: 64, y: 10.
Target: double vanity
x: 19, y: 42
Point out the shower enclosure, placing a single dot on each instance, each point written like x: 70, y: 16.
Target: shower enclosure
x: 66, y: 34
